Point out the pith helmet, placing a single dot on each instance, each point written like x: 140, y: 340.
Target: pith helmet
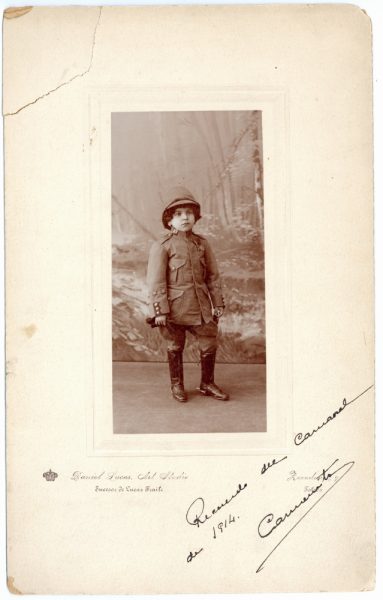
x: 179, y: 196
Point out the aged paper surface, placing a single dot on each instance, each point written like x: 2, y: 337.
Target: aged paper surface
x: 287, y: 509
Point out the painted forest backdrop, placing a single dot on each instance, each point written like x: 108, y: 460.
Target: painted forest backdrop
x: 218, y: 156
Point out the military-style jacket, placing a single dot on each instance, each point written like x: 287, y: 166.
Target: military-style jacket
x: 183, y: 279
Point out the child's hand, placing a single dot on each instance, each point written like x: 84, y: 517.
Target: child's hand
x: 218, y: 311
x: 161, y: 320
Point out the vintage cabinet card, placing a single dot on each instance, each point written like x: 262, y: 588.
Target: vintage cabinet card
x: 204, y: 424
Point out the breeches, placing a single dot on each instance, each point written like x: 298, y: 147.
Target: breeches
x: 175, y: 335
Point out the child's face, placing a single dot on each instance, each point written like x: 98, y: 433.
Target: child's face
x: 183, y: 218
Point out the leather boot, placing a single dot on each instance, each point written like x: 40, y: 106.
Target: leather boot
x: 207, y: 385
x: 177, y: 375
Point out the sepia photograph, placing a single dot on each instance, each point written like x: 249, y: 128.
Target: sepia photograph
x: 189, y: 331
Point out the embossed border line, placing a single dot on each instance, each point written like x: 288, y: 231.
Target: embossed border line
x: 97, y: 174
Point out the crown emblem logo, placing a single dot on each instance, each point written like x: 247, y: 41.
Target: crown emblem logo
x: 50, y: 475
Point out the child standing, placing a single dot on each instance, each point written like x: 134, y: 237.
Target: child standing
x: 185, y: 292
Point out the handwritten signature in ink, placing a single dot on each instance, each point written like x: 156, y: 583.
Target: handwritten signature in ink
x: 269, y: 523
x: 300, y: 437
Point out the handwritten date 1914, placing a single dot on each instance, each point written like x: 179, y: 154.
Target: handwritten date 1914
x: 223, y: 525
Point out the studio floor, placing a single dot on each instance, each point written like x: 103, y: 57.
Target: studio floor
x: 142, y: 402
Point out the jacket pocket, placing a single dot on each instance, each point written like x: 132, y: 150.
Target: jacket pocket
x: 175, y: 264
x: 176, y: 300
x: 174, y: 294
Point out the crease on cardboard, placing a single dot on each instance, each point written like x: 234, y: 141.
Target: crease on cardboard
x: 16, y: 112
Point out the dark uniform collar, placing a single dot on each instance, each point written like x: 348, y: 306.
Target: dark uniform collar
x: 182, y: 234
x: 195, y: 237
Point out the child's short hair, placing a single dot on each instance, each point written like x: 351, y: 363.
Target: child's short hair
x: 186, y: 199
x: 168, y: 213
